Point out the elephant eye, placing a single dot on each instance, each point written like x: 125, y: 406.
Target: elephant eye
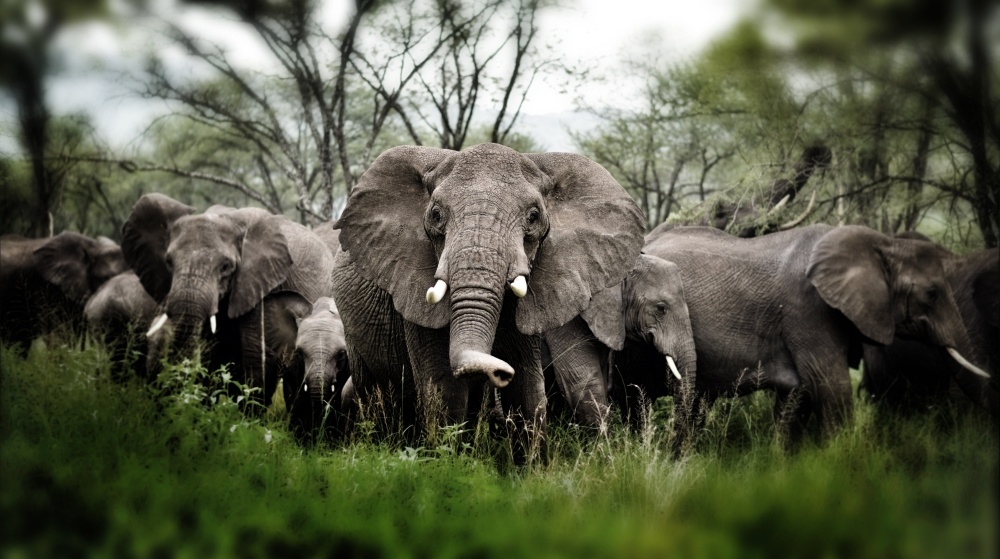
x: 661, y: 308
x: 169, y: 261
x: 532, y: 217
x: 226, y: 267
x: 932, y: 295
x: 436, y: 215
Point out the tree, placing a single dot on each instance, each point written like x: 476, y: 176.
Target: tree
x: 26, y: 33
x: 936, y: 59
x: 310, y: 120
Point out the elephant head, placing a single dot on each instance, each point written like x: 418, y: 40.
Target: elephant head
x: 655, y: 313
x: 78, y: 265
x: 890, y: 287
x: 197, y: 266
x: 448, y: 233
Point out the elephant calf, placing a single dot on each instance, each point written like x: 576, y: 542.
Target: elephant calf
x: 120, y: 312
x: 634, y: 340
x: 314, y: 373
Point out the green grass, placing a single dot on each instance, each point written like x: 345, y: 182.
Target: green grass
x: 91, y: 468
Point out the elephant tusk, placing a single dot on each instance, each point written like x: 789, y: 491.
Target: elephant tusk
x: 802, y: 217
x: 157, y: 324
x: 211, y: 323
x: 673, y: 367
x: 519, y: 286
x: 965, y: 363
x: 436, y: 293
x: 305, y: 387
x: 781, y: 204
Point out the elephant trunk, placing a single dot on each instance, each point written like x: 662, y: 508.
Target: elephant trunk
x: 316, y: 385
x: 477, y: 293
x: 189, y: 309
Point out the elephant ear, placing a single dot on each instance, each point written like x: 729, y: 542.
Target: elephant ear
x: 265, y: 262
x: 604, y: 317
x: 382, y: 230
x: 63, y: 262
x: 282, y: 313
x: 848, y: 269
x: 595, y: 234
x: 145, y: 237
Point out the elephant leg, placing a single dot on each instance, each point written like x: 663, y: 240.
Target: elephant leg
x: 834, y: 402
x: 523, y: 400
x: 581, y: 363
x: 442, y: 399
x: 258, y: 366
x: 297, y: 403
x: 793, y: 404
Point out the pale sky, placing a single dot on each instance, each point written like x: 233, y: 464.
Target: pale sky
x: 595, y: 32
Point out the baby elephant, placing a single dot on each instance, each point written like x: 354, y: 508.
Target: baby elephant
x: 315, y: 373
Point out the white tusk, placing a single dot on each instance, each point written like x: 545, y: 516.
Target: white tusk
x: 781, y: 204
x: 157, y: 324
x: 519, y: 286
x: 965, y: 363
x: 211, y: 323
x: 436, y: 293
x: 802, y: 217
x: 673, y: 367
x: 305, y: 388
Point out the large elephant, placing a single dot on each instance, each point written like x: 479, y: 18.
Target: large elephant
x: 316, y: 368
x: 634, y: 337
x: 454, y: 263
x: 214, y: 272
x: 120, y: 312
x: 789, y: 311
x: 908, y: 375
x: 44, y: 283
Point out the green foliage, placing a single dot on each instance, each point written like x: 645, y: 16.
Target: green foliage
x: 93, y: 468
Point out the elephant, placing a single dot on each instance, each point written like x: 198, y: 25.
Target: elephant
x: 219, y: 269
x: 635, y: 336
x: 789, y: 312
x: 329, y: 236
x: 745, y: 218
x: 452, y: 265
x: 119, y: 312
x: 316, y: 368
x: 44, y: 283
x: 906, y: 375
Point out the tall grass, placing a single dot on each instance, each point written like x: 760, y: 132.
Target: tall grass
x: 90, y: 467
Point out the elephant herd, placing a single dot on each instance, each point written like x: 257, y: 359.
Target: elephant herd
x: 477, y: 283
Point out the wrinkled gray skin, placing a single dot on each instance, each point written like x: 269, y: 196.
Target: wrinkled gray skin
x: 789, y: 311
x: 44, y: 283
x: 910, y: 375
x: 316, y: 368
x: 225, y: 263
x: 120, y: 312
x: 648, y: 315
x: 475, y: 219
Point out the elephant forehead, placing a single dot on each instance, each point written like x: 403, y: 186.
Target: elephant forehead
x: 204, y: 227
x: 483, y: 166
x: 317, y: 333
